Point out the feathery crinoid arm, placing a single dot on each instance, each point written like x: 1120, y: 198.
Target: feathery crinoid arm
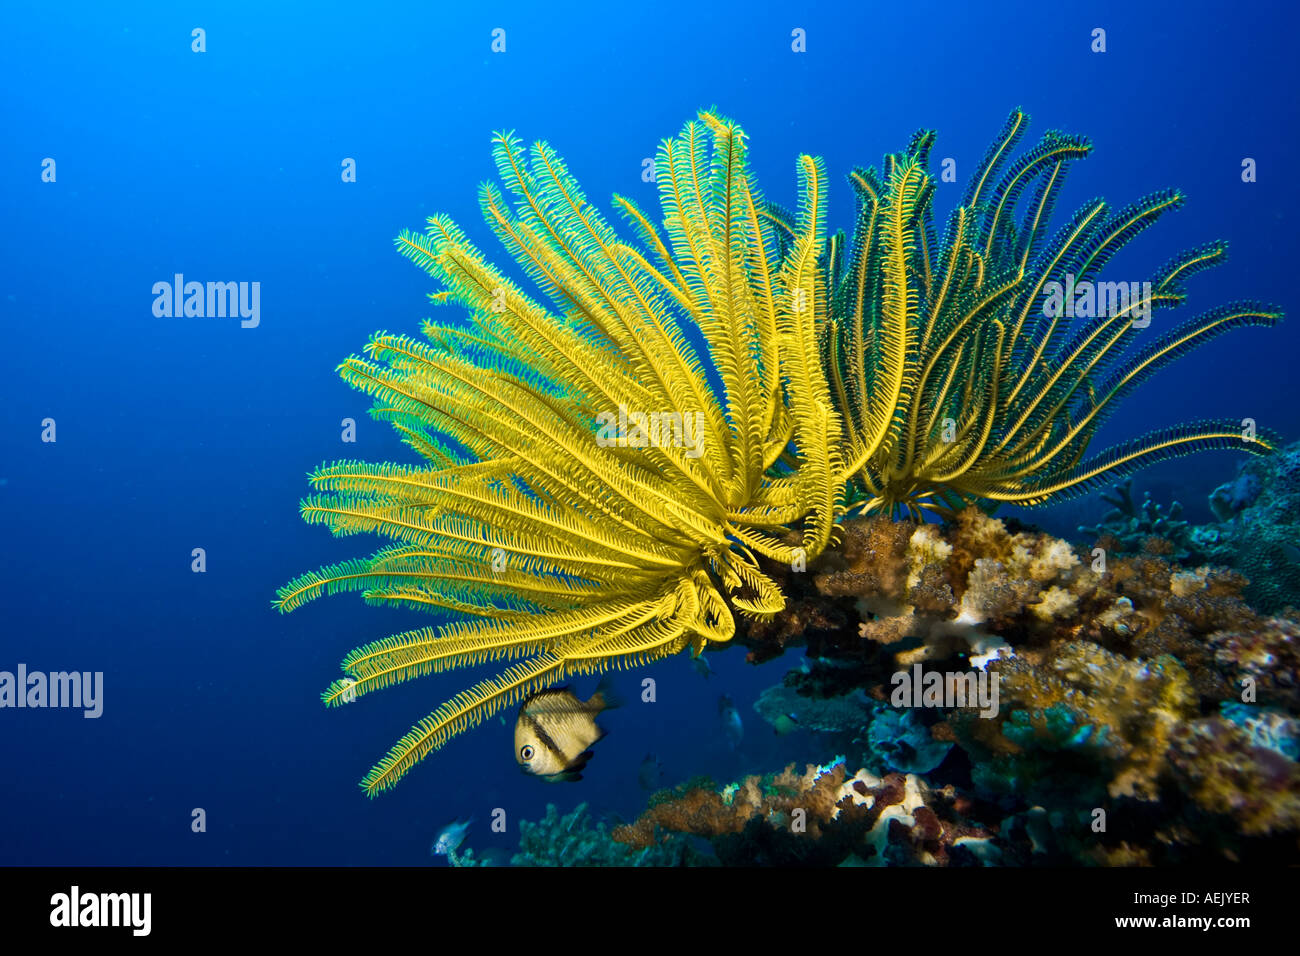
x: 816, y: 424
x: 562, y: 645
x: 754, y: 287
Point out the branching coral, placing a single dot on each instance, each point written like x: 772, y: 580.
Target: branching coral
x: 960, y: 590
x: 1130, y: 528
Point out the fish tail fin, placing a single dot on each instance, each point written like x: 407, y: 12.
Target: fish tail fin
x: 606, y: 697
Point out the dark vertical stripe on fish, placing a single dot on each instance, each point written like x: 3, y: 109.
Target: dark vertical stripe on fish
x: 545, y: 739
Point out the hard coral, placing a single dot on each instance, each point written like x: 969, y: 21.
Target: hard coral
x: 846, y: 713
x: 1132, y: 528
x: 952, y: 589
x: 1263, y: 660
x: 1115, y: 713
x: 1113, y: 669
x: 1255, y: 790
x: 820, y: 817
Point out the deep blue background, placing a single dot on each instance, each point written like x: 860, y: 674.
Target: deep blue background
x: 183, y: 433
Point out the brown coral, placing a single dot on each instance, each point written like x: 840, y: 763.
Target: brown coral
x: 822, y: 816
x: 1256, y: 788
x: 1268, y: 656
x: 1118, y: 712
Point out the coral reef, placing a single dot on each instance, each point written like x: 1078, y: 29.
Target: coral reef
x: 1260, y: 515
x: 903, y: 742
x: 1263, y: 659
x: 1132, y: 528
x: 572, y: 839
x: 930, y: 593
x: 821, y: 817
x: 1144, y: 715
x: 887, y: 372
x: 1257, y: 527
x: 847, y: 713
x: 1132, y: 689
x: 1109, y: 716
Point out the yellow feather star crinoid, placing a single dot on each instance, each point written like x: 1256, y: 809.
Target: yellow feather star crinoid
x: 956, y: 380
x: 555, y: 535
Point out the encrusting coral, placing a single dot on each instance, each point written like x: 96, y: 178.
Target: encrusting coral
x: 573, y: 839
x: 821, y: 817
x: 1259, y: 528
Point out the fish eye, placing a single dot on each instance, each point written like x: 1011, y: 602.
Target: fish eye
x: 526, y: 752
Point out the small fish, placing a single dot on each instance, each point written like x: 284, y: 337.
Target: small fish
x: 785, y: 724
x: 650, y: 773
x: 495, y: 856
x: 1292, y: 553
x: 450, y: 837
x: 701, y: 665
x: 808, y: 665
x: 732, y: 728
x: 555, y: 730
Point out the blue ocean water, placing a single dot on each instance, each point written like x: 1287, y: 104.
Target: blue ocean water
x: 183, y: 433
